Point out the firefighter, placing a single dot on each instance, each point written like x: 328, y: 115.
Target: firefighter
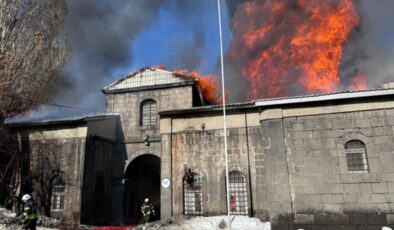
x: 147, y: 210
x: 29, y: 212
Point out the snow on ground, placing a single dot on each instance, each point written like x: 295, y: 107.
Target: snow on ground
x: 213, y: 223
x: 7, y: 221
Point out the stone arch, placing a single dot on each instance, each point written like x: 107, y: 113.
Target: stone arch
x: 100, y: 198
x: 140, y: 152
x: 199, y: 191
x: 141, y: 180
x: 223, y: 188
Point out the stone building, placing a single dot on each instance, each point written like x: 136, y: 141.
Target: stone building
x: 75, y: 157
x: 321, y: 162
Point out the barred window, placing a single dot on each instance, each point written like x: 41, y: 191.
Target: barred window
x: 356, y: 156
x: 238, y: 193
x: 148, y: 113
x: 57, y: 199
x: 192, y: 195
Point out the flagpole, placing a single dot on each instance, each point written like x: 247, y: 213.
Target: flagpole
x: 224, y: 116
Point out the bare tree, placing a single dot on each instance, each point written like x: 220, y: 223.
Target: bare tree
x: 11, y: 164
x: 32, y: 50
x: 46, y: 168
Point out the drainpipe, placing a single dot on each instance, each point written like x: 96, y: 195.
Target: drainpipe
x: 249, y: 171
x: 172, y: 177
x: 288, y: 173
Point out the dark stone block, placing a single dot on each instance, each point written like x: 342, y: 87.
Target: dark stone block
x: 342, y: 227
x: 370, y: 227
x: 357, y: 219
x: 319, y: 227
x: 377, y: 219
x: 331, y: 219
x: 282, y: 227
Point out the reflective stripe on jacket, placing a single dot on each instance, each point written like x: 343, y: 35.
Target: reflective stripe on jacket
x: 147, y: 209
x: 30, y: 210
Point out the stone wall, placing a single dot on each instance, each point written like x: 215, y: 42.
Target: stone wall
x: 202, y: 152
x: 128, y: 105
x: 195, y: 141
x: 59, y: 154
x: 130, y: 134
x: 324, y: 193
x: 273, y: 174
x: 96, y: 207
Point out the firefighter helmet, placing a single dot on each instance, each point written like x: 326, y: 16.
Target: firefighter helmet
x: 26, y: 197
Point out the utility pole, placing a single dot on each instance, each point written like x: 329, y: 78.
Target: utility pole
x: 224, y: 115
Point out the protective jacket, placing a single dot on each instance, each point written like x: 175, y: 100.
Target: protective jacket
x: 147, y: 209
x: 30, y: 210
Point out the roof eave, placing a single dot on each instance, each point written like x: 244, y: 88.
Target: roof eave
x: 151, y: 87
x: 211, y: 108
x: 326, y: 97
x: 66, y: 121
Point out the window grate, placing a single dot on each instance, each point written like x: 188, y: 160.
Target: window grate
x: 148, y: 113
x: 57, y: 199
x: 193, y: 196
x: 238, y: 194
x: 356, y: 157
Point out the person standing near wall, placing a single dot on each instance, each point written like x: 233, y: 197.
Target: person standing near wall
x: 29, y: 212
x: 147, y: 210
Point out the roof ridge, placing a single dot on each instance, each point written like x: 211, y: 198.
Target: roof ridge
x: 320, y: 95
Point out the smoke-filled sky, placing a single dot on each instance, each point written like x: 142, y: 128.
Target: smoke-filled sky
x: 111, y: 38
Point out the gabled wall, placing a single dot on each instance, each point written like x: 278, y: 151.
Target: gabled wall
x: 58, y: 148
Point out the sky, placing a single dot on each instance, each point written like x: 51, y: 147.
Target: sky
x: 168, y: 40
x: 112, y: 38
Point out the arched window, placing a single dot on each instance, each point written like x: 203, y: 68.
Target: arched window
x: 192, y: 194
x: 238, y: 193
x: 356, y: 156
x: 148, y: 113
x: 57, y: 199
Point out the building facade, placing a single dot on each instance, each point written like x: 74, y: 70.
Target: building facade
x: 312, y: 162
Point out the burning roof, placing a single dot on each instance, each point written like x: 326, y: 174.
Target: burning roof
x: 148, y: 77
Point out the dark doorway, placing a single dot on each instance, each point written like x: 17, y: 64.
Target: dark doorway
x: 142, y: 181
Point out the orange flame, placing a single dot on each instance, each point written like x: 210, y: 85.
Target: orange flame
x: 359, y: 82
x: 286, y: 48
x: 162, y: 67
x: 207, y: 84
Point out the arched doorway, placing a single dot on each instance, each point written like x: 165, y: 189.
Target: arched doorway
x: 142, y: 179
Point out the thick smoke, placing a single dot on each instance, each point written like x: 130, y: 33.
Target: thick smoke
x: 370, y: 50
x: 186, y: 51
x: 101, y: 34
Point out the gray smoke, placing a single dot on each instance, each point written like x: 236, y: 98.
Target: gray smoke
x: 186, y: 51
x: 100, y: 34
x: 370, y: 50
